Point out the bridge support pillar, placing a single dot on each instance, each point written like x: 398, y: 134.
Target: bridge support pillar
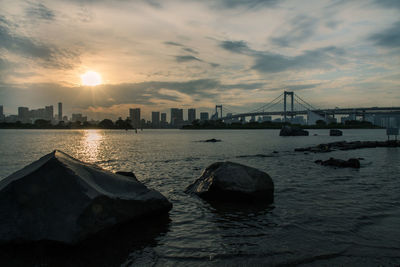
x: 285, y: 93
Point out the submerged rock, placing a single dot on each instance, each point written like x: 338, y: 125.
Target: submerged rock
x: 59, y: 198
x: 229, y: 181
x: 212, y: 140
x: 292, y: 131
x: 335, y: 132
x: 343, y: 145
x: 350, y: 163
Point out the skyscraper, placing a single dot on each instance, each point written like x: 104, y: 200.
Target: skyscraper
x: 60, y: 114
x: 155, y: 119
x: 134, y: 115
x: 176, y: 117
x: 191, y: 114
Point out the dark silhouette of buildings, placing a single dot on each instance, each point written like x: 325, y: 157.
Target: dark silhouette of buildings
x: 204, y: 116
x: 155, y: 119
x: 60, y: 113
x: 134, y: 115
x: 191, y: 115
x: 176, y: 117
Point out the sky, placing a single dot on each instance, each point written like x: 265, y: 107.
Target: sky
x: 156, y: 55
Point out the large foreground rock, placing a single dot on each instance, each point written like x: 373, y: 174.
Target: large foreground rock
x: 59, y: 198
x: 292, y: 131
x: 228, y: 181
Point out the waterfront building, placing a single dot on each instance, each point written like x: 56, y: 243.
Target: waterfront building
x: 176, y: 117
x: 49, y: 113
x: 266, y: 118
x: 60, y: 112
x: 191, y: 115
x: 204, y: 116
x: 78, y: 117
x: 155, y: 119
x: 134, y: 115
x: 23, y: 114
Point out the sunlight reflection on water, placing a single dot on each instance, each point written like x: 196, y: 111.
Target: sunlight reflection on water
x: 90, y: 145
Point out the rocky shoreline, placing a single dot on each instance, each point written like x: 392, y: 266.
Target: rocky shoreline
x: 344, y: 145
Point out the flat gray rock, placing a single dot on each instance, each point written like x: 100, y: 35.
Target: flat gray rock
x: 60, y: 198
x: 229, y: 181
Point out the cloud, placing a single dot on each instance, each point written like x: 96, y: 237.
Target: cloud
x: 48, y: 56
x: 389, y: 38
x: 40, y: 11
x: 172, y: 43
x: 230, y: 4
x: 190, y: 50
x: 235, y: 46
x: 186, y: 58
x: 295, y: 87
x: 321, y: 58
x: 388, y: 3
x: 139, y: 94
x: 303, y: 28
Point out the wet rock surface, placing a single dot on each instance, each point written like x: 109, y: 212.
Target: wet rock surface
x: 350, y: 163
x: 127, y: 174
x: 59, y: 198
x: 292, y: 131
x: 343, y: 145
x: 229, y: 181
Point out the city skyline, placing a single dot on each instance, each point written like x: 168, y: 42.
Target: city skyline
x: 101, y: 58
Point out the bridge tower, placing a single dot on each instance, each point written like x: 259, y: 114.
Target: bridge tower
x: 216, y: 111
x: 285, y: 93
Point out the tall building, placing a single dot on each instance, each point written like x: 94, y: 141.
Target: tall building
x: 155, y: 119
x: 60, y: 113
x: 23, y: 114
x: 134, y: 115
x: 49, y: 112
x: 204, y: 116
x: 163, y: 117
x: 2, y: 117
x: 176, y: 116
x: 78, y: 117
x: 191, y: 114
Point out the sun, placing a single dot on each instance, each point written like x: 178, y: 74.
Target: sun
x: 91, y: 78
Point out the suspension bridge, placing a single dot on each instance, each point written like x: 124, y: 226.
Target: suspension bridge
x: 289, y: 105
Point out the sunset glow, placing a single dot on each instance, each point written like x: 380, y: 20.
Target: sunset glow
x: 91, y: 78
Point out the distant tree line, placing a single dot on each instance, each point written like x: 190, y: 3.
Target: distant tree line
x: 46, y: 124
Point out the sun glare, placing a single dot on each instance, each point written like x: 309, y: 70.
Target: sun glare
x: 91, y: 78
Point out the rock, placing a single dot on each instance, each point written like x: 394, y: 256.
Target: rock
x: 350, y: 163
x: 343, y: 145
x: 292, y: 131
x: 335, y: 132
x: 255, y: 156
x: 59, y: 198
x: 213, y: 140
x: 127, y: 174
x: 229, y: 181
